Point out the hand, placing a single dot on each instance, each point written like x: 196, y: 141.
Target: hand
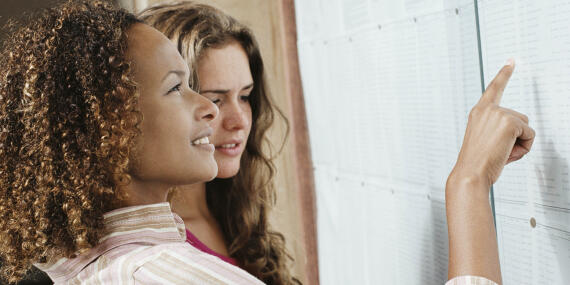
x: 495, y: 136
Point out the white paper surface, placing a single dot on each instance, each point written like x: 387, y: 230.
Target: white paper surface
x: 388, y: 87
x: 536, y: 34
x: 387, y: 101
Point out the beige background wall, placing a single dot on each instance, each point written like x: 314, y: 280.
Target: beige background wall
x: 265, y: 19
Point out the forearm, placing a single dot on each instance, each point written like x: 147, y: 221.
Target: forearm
x: 472, y: 237
x: 494, y: 137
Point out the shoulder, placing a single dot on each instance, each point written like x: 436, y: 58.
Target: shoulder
x: 172, y: 263
x: 184, y: 264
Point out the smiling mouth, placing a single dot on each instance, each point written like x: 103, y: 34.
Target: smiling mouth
x: 229, y: 149
x: 230, y: 145
x: 201, y: 141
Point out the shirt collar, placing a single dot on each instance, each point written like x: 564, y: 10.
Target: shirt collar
x: 146, y: 225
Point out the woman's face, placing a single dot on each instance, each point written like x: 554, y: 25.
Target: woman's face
x: 173, y: 148
x: 225, y: 79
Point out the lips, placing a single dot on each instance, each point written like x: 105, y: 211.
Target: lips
x: 230, y: 148
x: 202, y: 136
x: 201, y: 140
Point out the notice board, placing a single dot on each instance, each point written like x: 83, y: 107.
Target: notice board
x: 388, y: 86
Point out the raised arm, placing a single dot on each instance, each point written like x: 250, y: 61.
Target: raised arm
x: 494, y: 137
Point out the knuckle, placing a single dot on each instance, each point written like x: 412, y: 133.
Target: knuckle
x: 475, y: 112
x: 508, y: 120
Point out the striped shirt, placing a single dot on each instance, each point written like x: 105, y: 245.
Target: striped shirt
x: 470, y: 280
x: 145, y: 245
x: 195, y: 242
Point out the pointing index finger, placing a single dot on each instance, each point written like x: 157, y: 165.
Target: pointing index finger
x: 495, y: 89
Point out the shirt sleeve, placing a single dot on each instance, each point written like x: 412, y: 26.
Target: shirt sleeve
x: 470, y: 280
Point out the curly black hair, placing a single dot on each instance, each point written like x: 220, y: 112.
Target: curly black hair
x: 68, y: 122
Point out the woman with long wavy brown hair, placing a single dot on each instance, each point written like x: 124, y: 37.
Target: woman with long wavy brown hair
x: 228, y: 217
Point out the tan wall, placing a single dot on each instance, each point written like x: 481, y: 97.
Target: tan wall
x: 264, y: 18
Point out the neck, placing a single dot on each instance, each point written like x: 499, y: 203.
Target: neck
x: 189, y: 202
x: 144, y: 193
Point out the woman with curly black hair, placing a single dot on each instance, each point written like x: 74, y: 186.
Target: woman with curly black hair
x: 228, y: 217
x: 97, y: 122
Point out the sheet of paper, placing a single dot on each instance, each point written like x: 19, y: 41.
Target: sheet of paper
x: 318, y: 19
x: 422, y: 239
x: 354, y: 242
x: 536, y: 188
x: 356, y: 13
x: 307, y: 19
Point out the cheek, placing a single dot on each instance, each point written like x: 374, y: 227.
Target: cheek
x: 166, y: 128
x: 216, y: 125
x: 165, y: 136
x: 248, y: 117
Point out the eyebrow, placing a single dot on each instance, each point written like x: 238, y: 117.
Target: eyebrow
x: 177, y: 72
x: 224, y: 91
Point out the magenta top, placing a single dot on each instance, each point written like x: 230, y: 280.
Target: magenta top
x: 195, y: 242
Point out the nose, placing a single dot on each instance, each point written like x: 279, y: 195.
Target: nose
x: 234, y: 117
x: 206, y: 109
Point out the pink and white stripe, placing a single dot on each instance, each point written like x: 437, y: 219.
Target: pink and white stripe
x: 470, y: 280
x: 145, y: 245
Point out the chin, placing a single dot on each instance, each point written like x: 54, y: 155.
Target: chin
x: 209, y: 172
x: 226, y: 171
x: 212, y: 173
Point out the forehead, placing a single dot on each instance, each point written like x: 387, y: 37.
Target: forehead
x: 224, y: 66
x: 151, y: 51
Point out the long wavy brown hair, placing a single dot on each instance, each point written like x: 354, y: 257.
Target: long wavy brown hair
x: 241, y: 203
x: 68, y: 121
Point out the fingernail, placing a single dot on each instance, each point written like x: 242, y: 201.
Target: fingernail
x: 510, y: 62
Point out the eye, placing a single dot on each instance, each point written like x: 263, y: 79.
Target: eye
x: 175, y: 88
x: 245, y: 98
x: 216, y: 101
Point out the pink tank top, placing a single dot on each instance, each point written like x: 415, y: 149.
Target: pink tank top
x: 195, y: 242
